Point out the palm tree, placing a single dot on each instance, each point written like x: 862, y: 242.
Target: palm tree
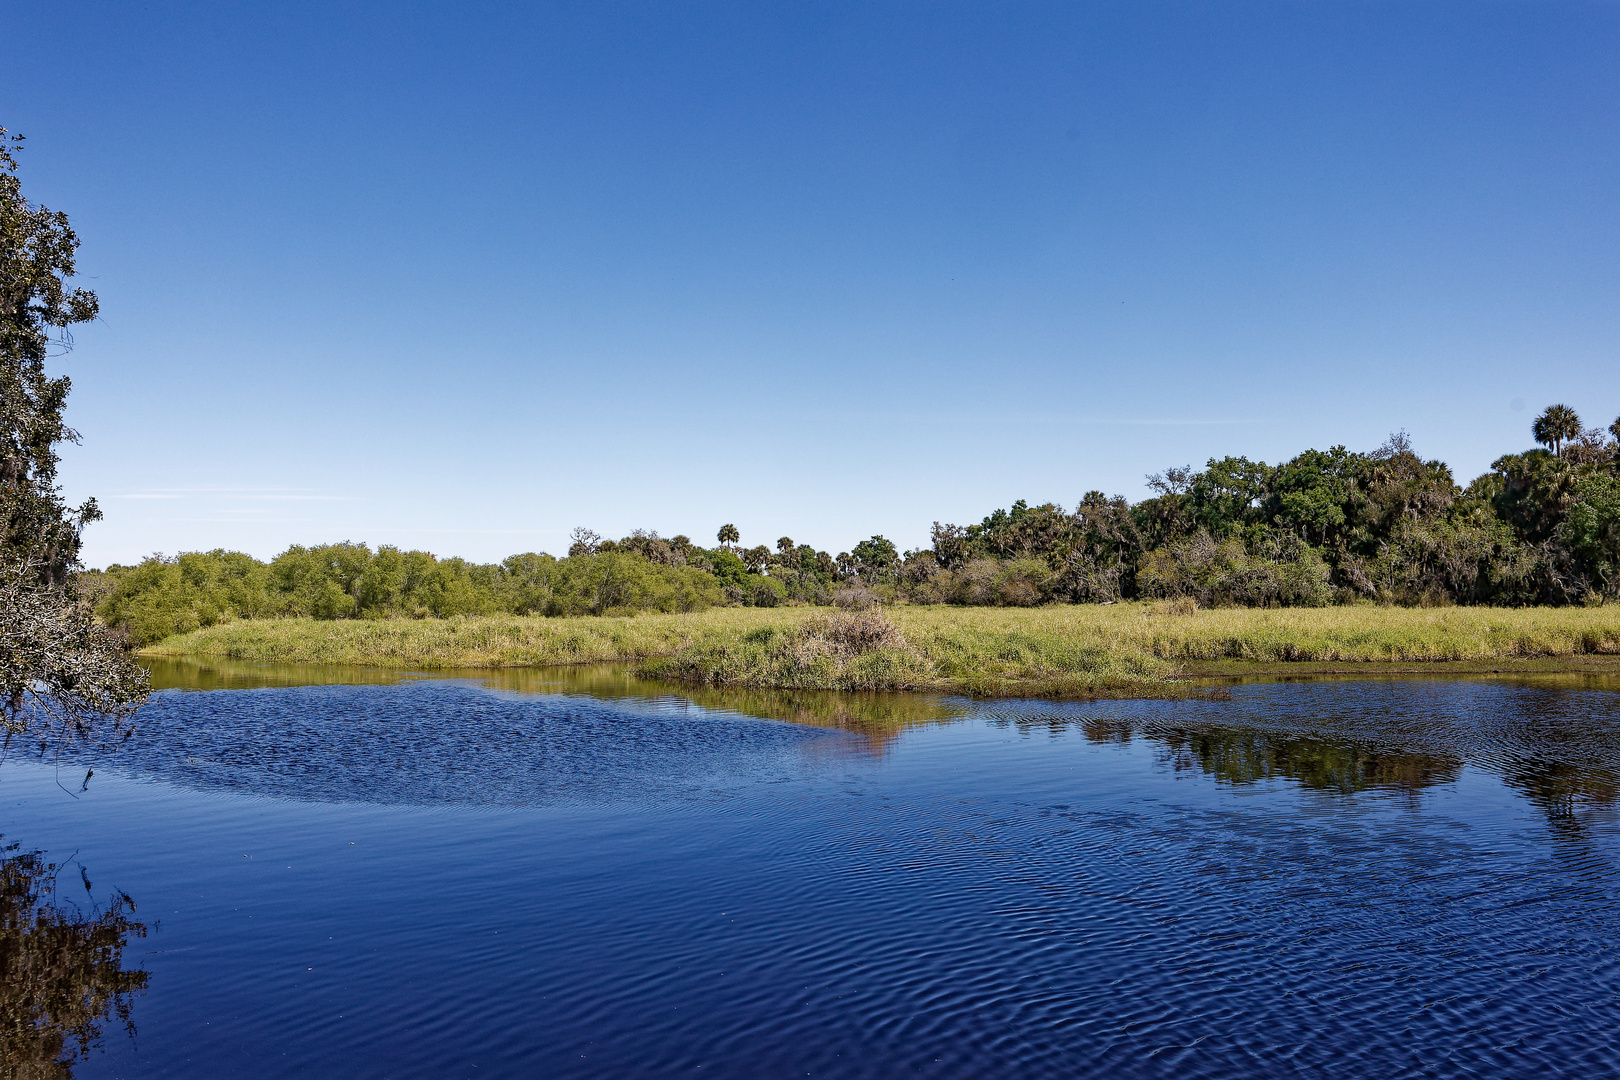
x: 729, y: 535
x: 1555, y: 427
x: 1614, y: 429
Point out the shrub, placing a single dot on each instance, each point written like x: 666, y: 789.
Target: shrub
x: 768, y: 592
x: 855, y: 598
x: 848, y: 650
x: 161, y: 596
x: 1270, y: 569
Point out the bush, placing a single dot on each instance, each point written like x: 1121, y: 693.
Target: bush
x: 1438, y: 562
x: 161, y: 596
x: 1270, y: 569
x: 768, y: 592
x: 848, y: 650
x: 855, y: 598
x: 1592, y: 532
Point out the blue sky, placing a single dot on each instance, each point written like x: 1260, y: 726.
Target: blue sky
x: 463, y: 276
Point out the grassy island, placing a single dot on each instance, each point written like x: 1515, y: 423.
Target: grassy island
x: 1126, y: 649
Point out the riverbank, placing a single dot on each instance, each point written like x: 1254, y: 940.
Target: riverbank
x: 1108, y: 650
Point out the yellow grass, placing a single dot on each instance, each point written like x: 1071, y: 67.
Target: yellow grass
x: 491, y: 641
x: 1352, y: 634
x: 988, y: 650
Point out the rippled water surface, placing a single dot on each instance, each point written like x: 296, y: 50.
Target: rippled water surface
x: 450, y: 878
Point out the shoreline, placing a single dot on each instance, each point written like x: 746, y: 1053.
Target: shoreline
x: 1576, y: 664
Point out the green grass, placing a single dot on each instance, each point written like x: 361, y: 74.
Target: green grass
x: 491, y: 641
x: 1120, y: 649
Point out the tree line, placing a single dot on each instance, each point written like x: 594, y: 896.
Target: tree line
x: 1327, y: 526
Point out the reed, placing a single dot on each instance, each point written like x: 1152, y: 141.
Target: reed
x: 1080, y: 650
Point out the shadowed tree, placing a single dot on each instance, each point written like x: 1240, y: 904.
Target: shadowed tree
x: 59, y: 669
x: 785, y: 544
x: 728, y: 535
x: 1555, y: 427
x: 1614, y: 429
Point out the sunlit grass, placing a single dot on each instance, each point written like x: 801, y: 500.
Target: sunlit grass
x: 471, y: 641
x: 1279, y: 635
x: 1120, y: 648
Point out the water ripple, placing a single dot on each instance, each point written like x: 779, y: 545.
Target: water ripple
x: 1379, y: 879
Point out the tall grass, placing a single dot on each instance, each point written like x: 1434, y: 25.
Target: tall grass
x: 1120, y: 648
x: 490, y: 641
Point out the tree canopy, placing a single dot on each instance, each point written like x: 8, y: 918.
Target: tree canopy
x: 60, y: 669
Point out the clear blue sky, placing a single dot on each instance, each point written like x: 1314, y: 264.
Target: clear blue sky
x: 464, y: 276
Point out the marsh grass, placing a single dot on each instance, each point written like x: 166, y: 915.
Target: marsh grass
x: 1108, y: 650
x: 842, y: 650
x: 489, y: 641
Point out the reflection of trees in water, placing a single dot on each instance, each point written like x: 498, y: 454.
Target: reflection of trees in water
x: 1564, y: 792
x: 61, y: 969
x: 1246, y: 757
x: 1250, y: 755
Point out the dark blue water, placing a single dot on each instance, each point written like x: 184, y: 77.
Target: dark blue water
x: 436, y: 879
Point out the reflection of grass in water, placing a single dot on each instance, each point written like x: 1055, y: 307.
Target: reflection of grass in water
x: 217, y: 673
x: 869, y: 713
x: 61, y: 969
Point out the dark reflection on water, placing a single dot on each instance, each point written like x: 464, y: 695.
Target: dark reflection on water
x: 62, y: 973
x: 584, y: 875
x: 1559, y: 748
x: 1240, y: 757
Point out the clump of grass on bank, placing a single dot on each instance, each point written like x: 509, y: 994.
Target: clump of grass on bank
x: 1123, y: 649
x: 853, y: 650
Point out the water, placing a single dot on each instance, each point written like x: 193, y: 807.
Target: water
x: 530, y: 876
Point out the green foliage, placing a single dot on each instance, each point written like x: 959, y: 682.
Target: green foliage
x: 1459, y: 559
x: 728, y: 569
x: 1555, y: 427
x: 1263, y: 568
x: 161, y: 596
x: 1591, y: 528
x: 38, y: 252
x: 60, y: 670
x: 1327, y: 525
x: 1227, y: 495
x: 875, y: 559
x: 1317, y: 494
